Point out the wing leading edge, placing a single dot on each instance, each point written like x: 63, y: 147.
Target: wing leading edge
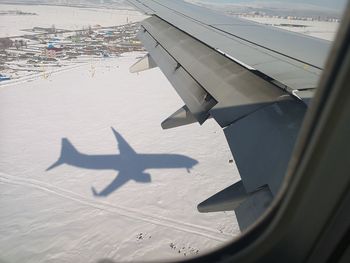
x: 257, y: 93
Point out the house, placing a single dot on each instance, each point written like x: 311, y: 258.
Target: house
x: 3, y: 78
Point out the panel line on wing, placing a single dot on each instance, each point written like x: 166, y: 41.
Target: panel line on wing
x: 275, y: 57
x: 252, y: 53
x: 269, y: 49
x: 234, y: 35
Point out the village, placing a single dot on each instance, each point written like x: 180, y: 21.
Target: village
x: 42, y: 50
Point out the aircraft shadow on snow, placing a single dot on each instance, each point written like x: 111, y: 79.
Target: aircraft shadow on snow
x: 129, y: 164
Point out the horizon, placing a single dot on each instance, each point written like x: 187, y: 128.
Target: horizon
x: 335, y: 4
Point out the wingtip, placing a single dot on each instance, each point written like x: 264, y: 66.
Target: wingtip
x: 116, y: 134
x: 114, y: 131
x: 94, y: 192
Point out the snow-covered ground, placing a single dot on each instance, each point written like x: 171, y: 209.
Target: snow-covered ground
x: 74, y: 18
x: 319, y: 29
x: 54, y: 216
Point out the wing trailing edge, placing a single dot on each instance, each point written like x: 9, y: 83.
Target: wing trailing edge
x: 196, y: 98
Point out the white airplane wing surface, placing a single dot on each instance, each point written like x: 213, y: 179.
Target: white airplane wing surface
x: 256, y: 82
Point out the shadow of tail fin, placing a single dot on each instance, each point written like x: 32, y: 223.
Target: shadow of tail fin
x: 67, y: 151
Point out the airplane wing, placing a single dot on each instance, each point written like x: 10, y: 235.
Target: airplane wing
x: 256, y: 81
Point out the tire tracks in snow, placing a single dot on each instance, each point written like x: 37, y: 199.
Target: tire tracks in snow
x: 114, y: 209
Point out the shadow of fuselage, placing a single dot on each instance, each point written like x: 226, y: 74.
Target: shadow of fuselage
x: 128, y: 163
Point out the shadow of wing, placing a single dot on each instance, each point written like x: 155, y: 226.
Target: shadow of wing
x: 124, y: 147
x: 120, y: 180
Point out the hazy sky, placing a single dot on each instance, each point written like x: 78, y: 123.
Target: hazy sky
x: 335, y: 4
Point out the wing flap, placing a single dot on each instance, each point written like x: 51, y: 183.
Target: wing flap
x: 226, y: 200
x: 181, y: 117
x: 235, y: 197
x: 198, y: 101
x: 229, y: 83
x: 262, y: 143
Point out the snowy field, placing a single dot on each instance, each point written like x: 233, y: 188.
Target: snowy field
x: 74, y: 18
x: 54, y: 216
x: 319, y: 29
